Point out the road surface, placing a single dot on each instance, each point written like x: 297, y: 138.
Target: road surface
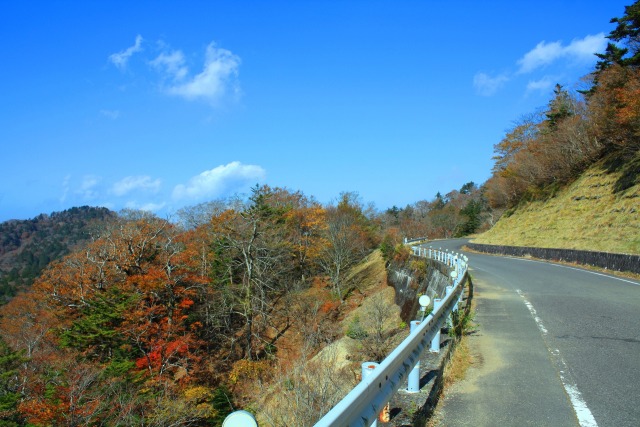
x: 555, y: 346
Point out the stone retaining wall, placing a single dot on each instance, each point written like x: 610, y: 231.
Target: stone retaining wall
x: 609, y: 261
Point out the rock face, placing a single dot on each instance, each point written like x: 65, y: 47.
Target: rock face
x: 408, y: 288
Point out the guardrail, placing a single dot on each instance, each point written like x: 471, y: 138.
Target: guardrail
x: 380, y: 381
x: 416, y: 239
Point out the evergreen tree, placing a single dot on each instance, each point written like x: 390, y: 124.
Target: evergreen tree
x: 560, y: 107
x: 468, y: 187
x: 472, y: 211
x: 9, y: 395
x: 612, y: 55
x: 627, y: 32
x: 439, y: 202
x: 95, y: 333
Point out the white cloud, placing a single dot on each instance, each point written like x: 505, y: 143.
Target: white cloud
x: 87, y: 188
x: 543, y: 54
x: 173, y: 64
x: 584, y: 49
x: 65, y: 188
x: 546, y: 53
x: 541, y: 85
x: 486, y: 85
x: 217, y: 79
x: 120, y: 59
x: 149, y: 207
x: 111, y: 114
x: 131, y: 183
x: 215, y: 182
x: 220, y: 71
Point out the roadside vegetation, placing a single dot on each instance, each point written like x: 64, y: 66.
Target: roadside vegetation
x: 568, y: 175
x: 588, y: 215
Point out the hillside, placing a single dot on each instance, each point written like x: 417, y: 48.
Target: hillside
x: 27, y: 246
x: 589, y: 214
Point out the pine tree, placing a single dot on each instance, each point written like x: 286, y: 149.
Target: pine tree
x: 560, y: 107
x: 9, y: 395
x: 627, y: 32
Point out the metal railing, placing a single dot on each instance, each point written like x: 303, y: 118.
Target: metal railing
x: 380, y: 381
x: 416, y: 239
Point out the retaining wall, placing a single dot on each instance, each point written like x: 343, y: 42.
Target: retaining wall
x: 408, y: 288
x: 609, y: 261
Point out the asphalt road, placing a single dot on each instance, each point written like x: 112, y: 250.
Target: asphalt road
x: 555, y: 346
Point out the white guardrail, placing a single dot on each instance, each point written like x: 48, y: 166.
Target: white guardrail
x: 380, y: 381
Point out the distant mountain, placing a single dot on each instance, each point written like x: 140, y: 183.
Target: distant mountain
x: 28, y: 246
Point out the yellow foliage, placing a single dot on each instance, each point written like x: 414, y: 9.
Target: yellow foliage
x: 198, y: 394
x: 200, y: 397
x: 249, y: 370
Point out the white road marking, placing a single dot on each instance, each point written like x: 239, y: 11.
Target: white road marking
x: 577, y: 269
x: 598, y: 274
x: 585, y: 417
x: 534, y: 313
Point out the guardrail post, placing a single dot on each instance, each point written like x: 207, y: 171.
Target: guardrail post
x: 448, y: 290
x: 367, y: 369
x: 413, y: 380
x: 240, y: 418
x: 435, y: 342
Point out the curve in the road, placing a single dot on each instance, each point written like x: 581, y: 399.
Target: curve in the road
x: 558, y: 331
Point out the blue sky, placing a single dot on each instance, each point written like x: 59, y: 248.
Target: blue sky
x: 159, y: 105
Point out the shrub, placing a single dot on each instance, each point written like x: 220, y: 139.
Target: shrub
x: 356, y: 330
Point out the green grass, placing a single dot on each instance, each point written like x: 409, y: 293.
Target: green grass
x: 586, y: 215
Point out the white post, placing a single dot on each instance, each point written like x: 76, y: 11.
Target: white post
x: 435, y: 342
x: 367, y: 369
x: 413, y: 380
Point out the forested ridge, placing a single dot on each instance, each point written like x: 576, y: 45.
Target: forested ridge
x: 134, y: 320
x: 28, y: 246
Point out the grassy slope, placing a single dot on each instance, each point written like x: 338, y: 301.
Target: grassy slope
x: 586, y: 215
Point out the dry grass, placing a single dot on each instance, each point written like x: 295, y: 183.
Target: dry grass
x: 459, y: 364
x: 462, y: 358
x: 586, y: 215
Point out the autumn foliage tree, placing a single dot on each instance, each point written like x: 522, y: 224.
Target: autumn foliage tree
x: 107, y: 322
x: 349, y: 236
x: 575, y: 130
x: 254, y: 262
x: 151, y: 321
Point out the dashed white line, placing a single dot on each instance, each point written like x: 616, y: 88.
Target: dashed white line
x: 534, y: 313
x: 585, y: 417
